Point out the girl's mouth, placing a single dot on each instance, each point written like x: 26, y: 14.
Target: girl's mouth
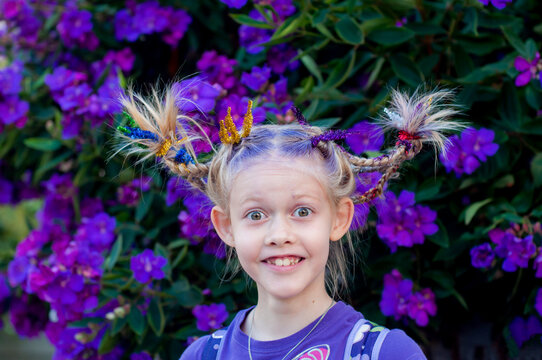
x: 284, y: 261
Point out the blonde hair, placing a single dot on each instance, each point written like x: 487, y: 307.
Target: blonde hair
x: 421, y: 118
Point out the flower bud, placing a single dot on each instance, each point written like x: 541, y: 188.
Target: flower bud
x: 110, y: 316
x: 120, y: 312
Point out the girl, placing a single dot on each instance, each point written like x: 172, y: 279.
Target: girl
x: 284, y: 200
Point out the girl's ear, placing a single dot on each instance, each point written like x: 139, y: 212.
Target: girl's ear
x: 222, y: 223
x: 343, y: 218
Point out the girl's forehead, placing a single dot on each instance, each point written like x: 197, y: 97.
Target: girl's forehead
x: 298, y: 177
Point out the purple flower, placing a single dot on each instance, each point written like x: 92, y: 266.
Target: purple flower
x: 528, y: 70
x: 522, y: 330
x: 125, y: 27
x: 18, y: 270
x: 146, y: 266
x: 236, y: 4
x: 538, y: 264
x: 499, y: 4
x: 401, y: 222
x: 14, y: 111
x: 6, y: 197
x: 276, y: 97
x: 365, y: 137
x: 218, y: 69
x: 178, y: 24
x: 251, y: 38
x: 124, y: 59
x: 177, y: 188
x: 195, y: 95
x: 538, y: 302
x: 516, y: 251
x: 210, y: 316
x: 91, y: 207
x: 364, y: 181
x: 140, y: 356
x: 421, y: 305
x: 10, y: 79
x: 257, y: 77
x: 150, y: 18
x: 99, y: 231
x: 280, y: 57
x: 4, y: 288
x: 466, y: 151
x: 75, y: 28
x: 401, y: 22
x: 482, y: 256
x: 284, y: 8
x: 395, y: 296
x: 28, y: 316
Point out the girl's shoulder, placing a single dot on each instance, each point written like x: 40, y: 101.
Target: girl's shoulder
x: 195, y: 350
x: 397, y: 345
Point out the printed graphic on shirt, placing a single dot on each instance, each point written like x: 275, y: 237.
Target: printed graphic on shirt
x: 318, y: 352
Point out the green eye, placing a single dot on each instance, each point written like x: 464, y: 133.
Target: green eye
x: 303, y: 211
x: 255, y: 215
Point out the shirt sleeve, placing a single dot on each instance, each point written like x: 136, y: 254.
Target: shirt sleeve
x: 195, y: 350
x: 399, y: 346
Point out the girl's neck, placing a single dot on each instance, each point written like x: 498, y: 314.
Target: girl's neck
x: 274, y: 319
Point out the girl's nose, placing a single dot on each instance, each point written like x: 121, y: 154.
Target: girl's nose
x: 280, y: 232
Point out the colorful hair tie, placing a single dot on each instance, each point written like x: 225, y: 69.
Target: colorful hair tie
x: 228, y: 131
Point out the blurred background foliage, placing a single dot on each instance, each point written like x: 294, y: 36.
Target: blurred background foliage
x: 74, y: 218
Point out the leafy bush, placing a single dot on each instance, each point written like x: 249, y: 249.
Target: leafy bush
x: 102, y: 254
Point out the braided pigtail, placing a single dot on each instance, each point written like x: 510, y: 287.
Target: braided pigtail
x: 419, y: 119
x: 154, y: 128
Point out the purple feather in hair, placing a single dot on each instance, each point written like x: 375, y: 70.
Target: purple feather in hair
x: 331, y: 135
x: 299, y: 116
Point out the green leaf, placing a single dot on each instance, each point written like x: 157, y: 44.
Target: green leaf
x: 391, y: 36
x: 473, y: 209
x: 311, y: 65
x: 247, y: 20
x: 442, y: 278
x: 118, y: 325
x: 136, y: 320
x: 288, y: 27
x: 83, y: 323
x: 143, y: 206
x: 43, y: 144
x: 189, y: 298
x: 155, y: 315
x: 460, y: 298
x: 536, y: 169
x: 425, y: 29
x: 441, y: 236
x: 320, y: 16
x: 514, y: 40
x: 111, y: 260
x: 349, y: 31
x: 326, y: 123
x: 428, y: 189
x: 107, y: 343
x: 406, y: 69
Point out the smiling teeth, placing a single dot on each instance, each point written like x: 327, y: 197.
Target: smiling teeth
x: 283, y: 261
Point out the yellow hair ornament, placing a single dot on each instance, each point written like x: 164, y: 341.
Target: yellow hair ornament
x: 247, y: 121
x: 166, y: 145
x: 228, y: 132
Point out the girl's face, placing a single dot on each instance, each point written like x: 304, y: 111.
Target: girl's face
x: 280, y: 222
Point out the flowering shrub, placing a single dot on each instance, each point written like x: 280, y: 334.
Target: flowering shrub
x: 111, y: 259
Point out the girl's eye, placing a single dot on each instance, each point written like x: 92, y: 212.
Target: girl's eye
x: 303, y: 212
x: 255, y: 215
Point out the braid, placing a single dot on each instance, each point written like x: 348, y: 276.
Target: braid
x: 155, y: 128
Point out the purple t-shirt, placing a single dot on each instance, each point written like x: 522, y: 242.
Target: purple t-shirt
x: 328, y: 340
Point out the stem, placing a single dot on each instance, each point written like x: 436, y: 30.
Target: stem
x: 516, y: 285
